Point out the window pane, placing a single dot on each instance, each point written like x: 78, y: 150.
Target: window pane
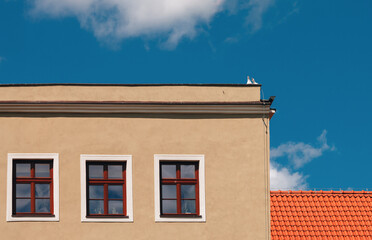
x: 23, y: 205
x: 188, y: 206
x: 23, y: 170
x: 115, y: 171
x: 23, y: 190
x: 96, y: 207
x: 169, y: 206
x: 169, y: 191
x: 187, y: 191
x: 168, y: 171
x: 42, y: 170
x: 187, y: 171
x: 42, y: 190
x: 42, y: 205
x: 115, y: 207
x: 115, y: 192
x: 96, y: 192
x: 95, y: 171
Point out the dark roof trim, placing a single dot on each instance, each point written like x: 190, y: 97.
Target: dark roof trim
x: 129, y: 85
x: 262, y: 102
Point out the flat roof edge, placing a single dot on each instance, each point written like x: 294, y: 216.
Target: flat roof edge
x: 129, y: 85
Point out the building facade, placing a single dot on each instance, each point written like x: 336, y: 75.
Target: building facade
x: 134, y: 162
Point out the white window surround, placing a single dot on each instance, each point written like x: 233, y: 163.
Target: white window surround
x: 129, y: 198
x: 179, y: 157
x: 9, y: 202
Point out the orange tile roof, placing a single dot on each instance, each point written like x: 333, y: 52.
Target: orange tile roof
x: 321, y: 215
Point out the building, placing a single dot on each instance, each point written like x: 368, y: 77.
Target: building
x: 323, y: 215
x: 134, y: 162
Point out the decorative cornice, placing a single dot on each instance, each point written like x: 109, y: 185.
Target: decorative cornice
x: 258, y: 107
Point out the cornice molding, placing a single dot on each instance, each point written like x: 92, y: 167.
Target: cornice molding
x: 262, y: 107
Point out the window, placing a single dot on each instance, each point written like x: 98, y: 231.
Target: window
x: 106, y: 188
x: 32, y: 181
x: 32, y: 187
x: 179, y: 188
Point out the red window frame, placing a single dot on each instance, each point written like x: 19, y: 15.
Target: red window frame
x: 32, y: 180
x: 178, y: 181
x: 105, y: 181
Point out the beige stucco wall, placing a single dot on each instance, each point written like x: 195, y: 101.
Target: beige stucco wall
x: 236, y: 159
x: 131, y: 93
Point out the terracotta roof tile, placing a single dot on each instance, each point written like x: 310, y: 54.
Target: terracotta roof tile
x: 321, y: 215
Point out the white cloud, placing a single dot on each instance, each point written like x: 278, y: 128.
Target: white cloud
x: 297, y: 154
x: 301, y: 153
x: 114, y: 20
x: 231, y: 40
x: 282, y: 178
x: 2, y: 59
x: 257, y: 9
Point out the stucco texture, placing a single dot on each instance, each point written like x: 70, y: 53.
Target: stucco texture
x: 134, y: 93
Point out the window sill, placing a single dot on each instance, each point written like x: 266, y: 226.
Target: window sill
x: 108, y: 216
x: 32, y: 218
x: 33, y: 215
x: 180, y: 216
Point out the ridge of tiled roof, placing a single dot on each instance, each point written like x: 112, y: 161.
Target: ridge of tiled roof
x: 319, y: 192
x: 321, y: 215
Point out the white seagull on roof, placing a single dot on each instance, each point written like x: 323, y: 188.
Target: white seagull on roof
x: 248, y: 80
x: 254, y: 82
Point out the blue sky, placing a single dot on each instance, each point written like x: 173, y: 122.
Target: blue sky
x: 315, y: 56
